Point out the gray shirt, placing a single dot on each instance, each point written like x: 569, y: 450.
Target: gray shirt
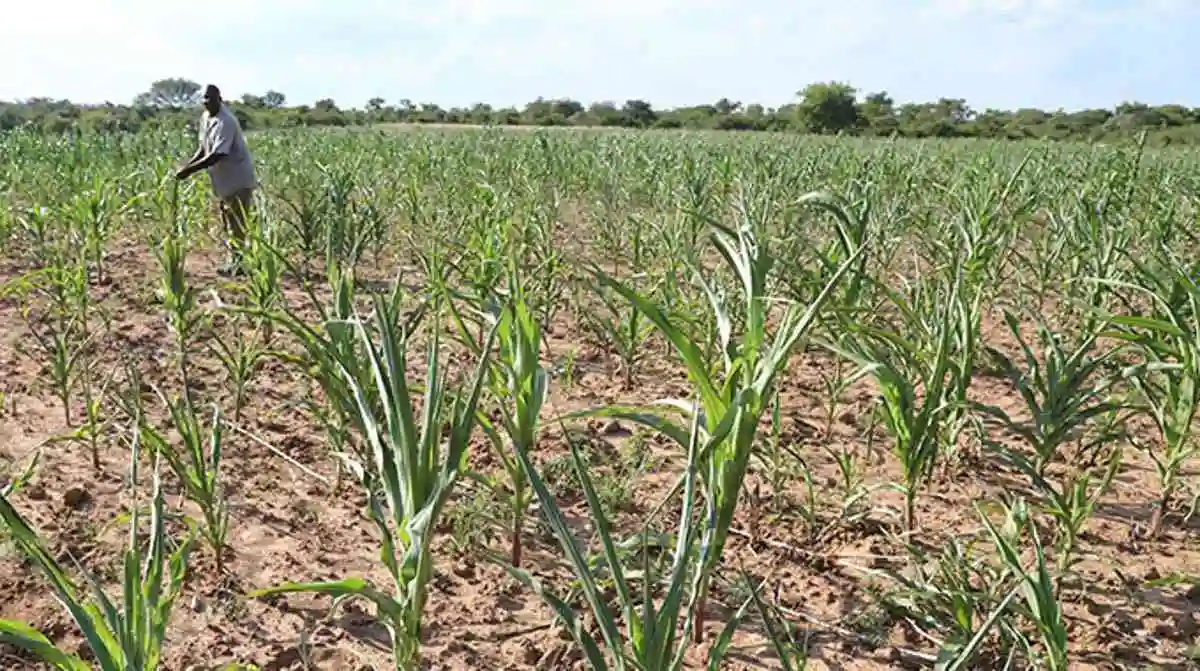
x: 222, y: 133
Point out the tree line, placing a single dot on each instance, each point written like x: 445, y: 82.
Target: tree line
x: 821, y: 108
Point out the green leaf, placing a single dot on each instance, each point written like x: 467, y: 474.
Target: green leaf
x: 649, y: 417
x: 567, y: 616
x: 959, y: 657
x: 89, y: 621
x: 339, y: 589
x: 20, y: 635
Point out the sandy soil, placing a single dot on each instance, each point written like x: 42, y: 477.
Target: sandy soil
x: 290, y: 525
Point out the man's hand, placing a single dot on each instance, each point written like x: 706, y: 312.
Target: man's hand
x: 189, y: 168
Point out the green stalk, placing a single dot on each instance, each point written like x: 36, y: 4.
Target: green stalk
x: 521, y: 384
x: 1169, y: 381
x: 408, y: 463
x: 122, y: 636
x: 1063, y: 389
x: 197, y: 464
x: 738, y: 397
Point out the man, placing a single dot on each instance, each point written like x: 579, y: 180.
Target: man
x: 224, y: 155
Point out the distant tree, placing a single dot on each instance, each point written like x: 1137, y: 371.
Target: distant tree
x: 827, y: 107
x: 726, y: 107
x: 955, y: 110
x: 566, y: 108
x: 507, y: 116
x: 542, y: 112
x: 991, y: 123
x: 431, y: 113
x: 878, y: 113
x: 639, y: 113
x: 480, y: 113
x: 274, y: 99
x: 173, y: 92
x: 1175, y: 115
x: 243, y: 118
x: 605, y: 114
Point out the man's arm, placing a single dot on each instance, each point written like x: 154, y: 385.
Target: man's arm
x: 199, y: 163
x: 201, y: 160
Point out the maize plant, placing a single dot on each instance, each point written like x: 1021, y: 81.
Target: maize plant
x: 122, y: 636
x: 919, y: 370
x: 742, y: 390
x: 196, y: 461
x: 1169, y: 382
x: 407, y: 462
x: 519, y: 384
x: 655, y: 635
x: 1063, y: 389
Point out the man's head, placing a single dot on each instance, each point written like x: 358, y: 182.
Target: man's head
x: 212, y: 99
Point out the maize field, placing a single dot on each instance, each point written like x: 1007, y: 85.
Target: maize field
x: 599, y: 400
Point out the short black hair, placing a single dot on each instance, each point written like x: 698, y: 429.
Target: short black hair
x: 212, y: 90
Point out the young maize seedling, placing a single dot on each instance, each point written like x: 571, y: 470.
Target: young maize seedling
x: 776, y: 461
x: 835, y: 385
x: 744, y: 391
x: 792, y: 654
x: 416, y: 474
x: 94, y: 420
x: 309, y: 208
x: 947, y: 595
x: 373, y: 223
x: 124, y: 636
x: 1062, y: 392
x: 166, y: 212
x: 520, y: 384
x: 655, y: 636
x: 35, y: 223
x: 916, y: 381
x: 264, y: 271
x: 197, y: 464
x: 481, y: 262
x: 1099, y: 247
x: 1072, y: 503
x: 852, y: 228
x: 93, y: 399
x: 91, y: 214
x: 61, y: 331
x: 973, y: 260
x: 65, y: 353
x: 1041, y: 607
x: 546, y: 268
x: 623, y: 328
x: 327, y: 350
x: 345, y: 232
x: 179, y: 301
x: 242, y: 359
x: 1169, y: 382
x: 15, y: 483
x: 320, y: 345
x: 1039, y: 266
x: 987, y: 210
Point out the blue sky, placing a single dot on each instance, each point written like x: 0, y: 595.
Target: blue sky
x: 994, y: 53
